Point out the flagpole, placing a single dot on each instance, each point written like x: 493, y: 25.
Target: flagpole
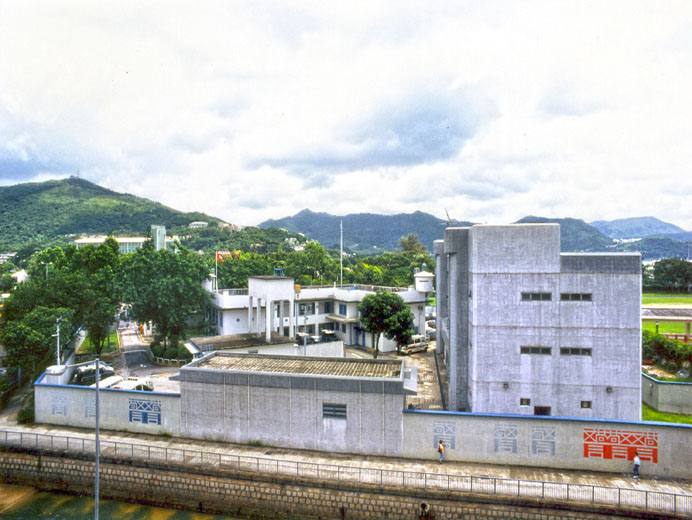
x: 341, y: 255
x: 216, y: 271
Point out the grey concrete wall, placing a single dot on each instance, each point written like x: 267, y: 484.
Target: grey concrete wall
x: 574, y: 444
x: 666, y: 396
x: 285, y: 411
x: 507, y: 261
x: 124, y: 410
x: 456, y: 247
x: 441, y: 298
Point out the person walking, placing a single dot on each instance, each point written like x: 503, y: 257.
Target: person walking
x: 637, y: 462
x: 441, y: 450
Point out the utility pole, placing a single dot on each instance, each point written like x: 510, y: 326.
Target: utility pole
x: 57, y: 323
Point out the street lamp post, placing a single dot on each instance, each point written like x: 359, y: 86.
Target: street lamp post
x: 57, y: 324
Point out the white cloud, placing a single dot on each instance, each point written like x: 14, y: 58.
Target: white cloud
x: 250, y: 111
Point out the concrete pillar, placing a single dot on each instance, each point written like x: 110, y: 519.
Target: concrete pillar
x: 291, y: 318
x: 258, y: 321
x: 442, y: 299
x: 269, y: 320
x: 281, y: 316
x: 251, y: 301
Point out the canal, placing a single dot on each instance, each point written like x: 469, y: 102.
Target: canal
x: 25, y: 503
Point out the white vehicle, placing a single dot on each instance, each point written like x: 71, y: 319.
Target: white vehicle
x: 418, y: 344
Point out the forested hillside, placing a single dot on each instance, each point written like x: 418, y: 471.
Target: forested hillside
x: 41, y: 214
x: 365, y: 232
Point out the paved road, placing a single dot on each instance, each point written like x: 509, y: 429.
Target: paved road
x: 135, y: 360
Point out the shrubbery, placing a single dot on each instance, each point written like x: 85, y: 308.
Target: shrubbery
x: 666, y: 352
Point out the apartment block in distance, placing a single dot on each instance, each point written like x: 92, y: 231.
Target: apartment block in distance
x: 526, y: 329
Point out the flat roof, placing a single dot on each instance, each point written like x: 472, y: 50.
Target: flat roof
x: 230, y: 341
x: 666, y: 314
x: 387, y: 369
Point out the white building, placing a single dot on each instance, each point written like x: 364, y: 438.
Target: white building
x: 130, y: 244
x: 309, y: 310
x: 528, y: 330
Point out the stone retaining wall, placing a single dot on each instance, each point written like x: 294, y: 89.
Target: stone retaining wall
x: 264, y: 496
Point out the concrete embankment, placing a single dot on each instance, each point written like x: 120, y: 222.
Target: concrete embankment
x: 216, y: 489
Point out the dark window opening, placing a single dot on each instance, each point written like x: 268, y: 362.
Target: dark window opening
x: 571, y: 351
x: 536, y: 350
x: 541, y: 410
x: 335, y: 411
x: 524, y: 401
x: 536, y: 296
x: 575, y: 297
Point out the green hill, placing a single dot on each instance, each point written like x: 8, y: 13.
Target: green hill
x: 636, y: 227
x: 364, y: 232
x: 46, y: 213
x: 575, y: 235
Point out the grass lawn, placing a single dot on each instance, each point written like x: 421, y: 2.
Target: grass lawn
x: 666, y: 299
x: 88, y: 348
x: 649, y: 414
x: 664, y: 327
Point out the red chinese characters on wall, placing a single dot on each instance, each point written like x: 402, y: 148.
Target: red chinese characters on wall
x: 620, y: 444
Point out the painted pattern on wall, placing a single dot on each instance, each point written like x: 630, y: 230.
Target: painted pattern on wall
x: 506, y: 438
x: 58, y: 405
x: 90, y: 406
x: 445, y: 431
x: 620, y: 444
x: 543, y: 440
x: 145, y: 411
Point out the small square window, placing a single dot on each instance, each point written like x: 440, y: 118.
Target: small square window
x: 524, y: 401
x: 586, y: 404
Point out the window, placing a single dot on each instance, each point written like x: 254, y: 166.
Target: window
x: 334, y: 411
x: 541, y: 410
x: 328, y: 307
x: 342, y: 309
x: 575, y: 297
x: 536, y: 350
x: 524, y: 401
x: 571, y: 351
x: 536, y: 296
x: 301, y: 309
x: 586, y: 404
x: 343, y: 328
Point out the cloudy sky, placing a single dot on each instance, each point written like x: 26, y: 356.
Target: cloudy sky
x: 256, y: 110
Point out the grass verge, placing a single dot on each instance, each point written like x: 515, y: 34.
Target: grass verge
x: 649, y: 414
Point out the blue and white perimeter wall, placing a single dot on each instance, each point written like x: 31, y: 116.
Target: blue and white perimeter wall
x: 553, y: 442
x: 128, y: 410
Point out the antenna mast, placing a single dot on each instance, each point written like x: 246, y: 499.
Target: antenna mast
x: 341, y: 254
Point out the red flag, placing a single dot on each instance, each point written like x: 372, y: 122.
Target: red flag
x: 221, y: 254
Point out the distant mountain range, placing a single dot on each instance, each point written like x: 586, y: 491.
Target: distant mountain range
x: 367, y: 232
x: 637, y: 227
x: 43, y: 213
x: 364, y: 232
x: 46, y: 213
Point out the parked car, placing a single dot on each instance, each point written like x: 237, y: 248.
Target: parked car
x: 418, y: 344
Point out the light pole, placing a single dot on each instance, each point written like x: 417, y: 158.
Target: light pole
x: 97, y: 447
x: 46, y: 264
x: 57, y: 324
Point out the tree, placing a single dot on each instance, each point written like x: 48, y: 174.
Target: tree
x: 673, y: 272
x: 165, y: 288
x: 386, y: 313
x: 411, y: 244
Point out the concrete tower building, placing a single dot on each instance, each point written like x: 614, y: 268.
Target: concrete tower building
x: 525, y: 329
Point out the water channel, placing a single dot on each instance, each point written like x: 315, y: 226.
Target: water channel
x: 25, y: 503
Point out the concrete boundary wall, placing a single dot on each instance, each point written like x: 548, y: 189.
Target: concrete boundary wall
x: 129, y: 410
x: 667, y: 396
x: 552, y: 442
x: 257, y: 495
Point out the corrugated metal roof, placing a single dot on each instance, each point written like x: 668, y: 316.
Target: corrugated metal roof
x: 306, y: 366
